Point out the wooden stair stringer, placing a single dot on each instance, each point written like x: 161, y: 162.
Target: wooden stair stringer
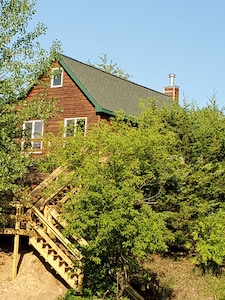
x: 57, y: 259
x: 53, y: 212
x: 56, y: 249
x: 67, y: 244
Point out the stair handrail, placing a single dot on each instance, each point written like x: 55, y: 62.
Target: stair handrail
x: 53, y: 212
x: 47, y: 180
x: 57, y: 234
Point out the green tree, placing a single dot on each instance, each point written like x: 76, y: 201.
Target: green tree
x: 22, y: 60
x: 118, y: 171
x: 196, y: 189
x: 110, y: 67
x: 144, y: 185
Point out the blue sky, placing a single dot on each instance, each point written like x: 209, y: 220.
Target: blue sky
x: 148, y: 39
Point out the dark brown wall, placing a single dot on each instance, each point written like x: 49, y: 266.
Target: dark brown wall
x: 73, y: 102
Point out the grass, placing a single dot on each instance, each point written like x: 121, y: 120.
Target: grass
x: 184, y: 281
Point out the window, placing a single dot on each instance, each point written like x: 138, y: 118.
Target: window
x: 57, y: 77
x: 32, y: 133
x: 74, y: 125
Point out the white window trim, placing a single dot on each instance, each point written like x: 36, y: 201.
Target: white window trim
x: 52, y: 78
x: 75, y: 119
x: 34, y: 150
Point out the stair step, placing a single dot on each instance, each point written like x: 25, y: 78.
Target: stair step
x: 50, y: 251
x: 67, y: 269
x: 62, y: 262
x: 56, y: 256
x: 40, y: 240
x: 67, y: 272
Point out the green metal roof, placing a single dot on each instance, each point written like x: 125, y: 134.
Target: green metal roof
x: 109, y: 93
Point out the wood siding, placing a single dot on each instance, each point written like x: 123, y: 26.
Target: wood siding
x: 71, y: 100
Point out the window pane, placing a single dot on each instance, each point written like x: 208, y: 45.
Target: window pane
x: 69, y: 122
x: 80, y: 125
x: 28, y: 129
x: 36, y: 145
x: 37, y: 129
x: 70, y: 128
x: 57, y: 80
x: 57, y: 77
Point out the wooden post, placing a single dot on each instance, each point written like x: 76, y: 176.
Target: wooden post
x: 15, y: 256
x: 16, y: 241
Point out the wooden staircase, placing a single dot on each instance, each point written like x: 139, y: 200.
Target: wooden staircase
x: 42, y: 223
x: 57, y: 259
x: 46, y: 227
x: 57, y: 251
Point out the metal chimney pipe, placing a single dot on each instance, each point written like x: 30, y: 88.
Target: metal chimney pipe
x: 171, y: 77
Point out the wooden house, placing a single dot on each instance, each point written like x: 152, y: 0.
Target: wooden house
x: 86, y: 95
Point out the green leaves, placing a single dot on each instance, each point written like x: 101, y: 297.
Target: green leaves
x: 209, y: 235
x: 110, y: 67
x: 22, y: 60
x: 147, y: 185
x: 118, y: 170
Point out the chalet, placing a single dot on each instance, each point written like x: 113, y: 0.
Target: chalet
x: 87, y: 95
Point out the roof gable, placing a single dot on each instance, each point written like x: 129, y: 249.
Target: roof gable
x: 109, y: 93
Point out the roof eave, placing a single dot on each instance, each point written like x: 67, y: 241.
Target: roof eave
x: 98, y: 107
x: 106, y: 111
